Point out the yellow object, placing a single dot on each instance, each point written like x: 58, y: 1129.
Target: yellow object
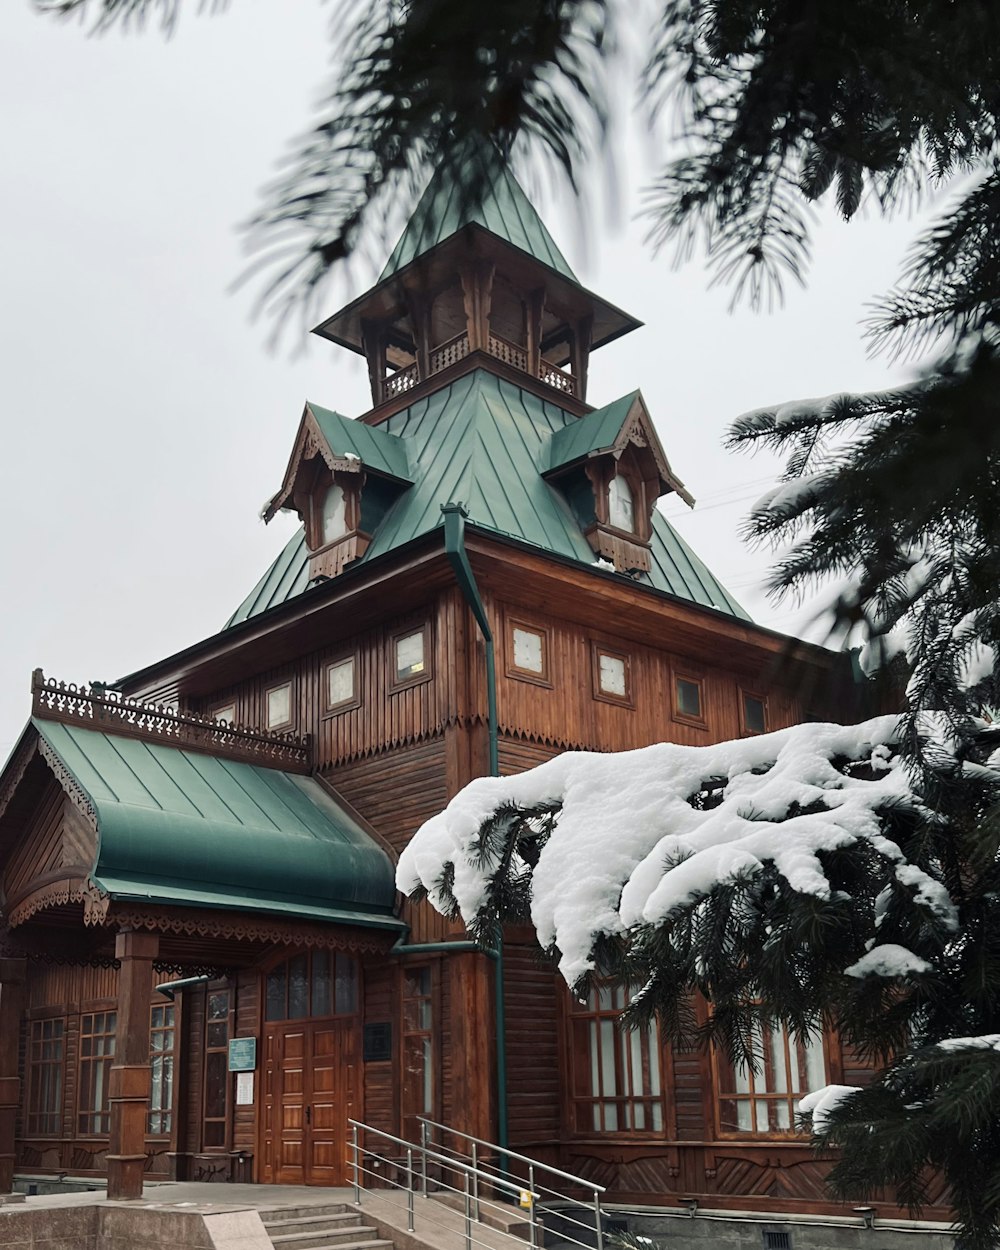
x: 526, y: 1199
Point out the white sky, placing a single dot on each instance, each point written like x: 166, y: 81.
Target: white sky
x: 144, y: 420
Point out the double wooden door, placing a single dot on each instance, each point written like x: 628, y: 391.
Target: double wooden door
x: 310, y: 1090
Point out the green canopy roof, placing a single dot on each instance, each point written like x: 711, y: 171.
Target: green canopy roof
x: 176, y: 826
x: 451, y: 202
x: 596, y: 431
x: 484, y: 441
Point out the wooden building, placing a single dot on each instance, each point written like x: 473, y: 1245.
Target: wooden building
x: 482, y: 579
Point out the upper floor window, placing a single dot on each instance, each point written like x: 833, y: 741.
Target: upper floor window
x: 612, y: 675
x: 754, y: 713
x: 617, y: 1085
x: 227, y: 713
x: 341, y: 683
x: 279, y: 706
x: 765, y: 1102
x: 409, y: 657
x: 333, y: 518
x: 689, y: 698
x: 527, y: 652
x: 621, y: 507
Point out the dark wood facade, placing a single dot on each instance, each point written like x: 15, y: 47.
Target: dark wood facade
x: 586, y: 659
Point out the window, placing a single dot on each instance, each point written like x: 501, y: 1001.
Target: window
x: 161, y: 1062
x: 333, y: 518
x: 616, y: 1072
x: 97, y: 1052
x: 612, y: 672
x: 689, y: 702
x: 418, y: 1045
x: 527, y: 652
x: 216, y: 1104
x: 45, y: 1078
x: 621, y: 509
x: 314, y: 983
x: 409, y: 657
x: 341, y: 684
x: 279, y: 706
x: 765, y: 1102
x: 754, y: 713
x: 227, y: 714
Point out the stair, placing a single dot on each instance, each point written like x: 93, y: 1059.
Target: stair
x: 321, y: 1228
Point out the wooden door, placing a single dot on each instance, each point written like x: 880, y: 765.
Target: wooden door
x: 310, y: 1084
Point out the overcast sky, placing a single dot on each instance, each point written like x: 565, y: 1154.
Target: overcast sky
x: 144, y: 419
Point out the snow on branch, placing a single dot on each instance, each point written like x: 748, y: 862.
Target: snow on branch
x: 632, y: 840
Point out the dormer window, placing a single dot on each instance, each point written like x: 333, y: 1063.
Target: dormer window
x: 621, y: 509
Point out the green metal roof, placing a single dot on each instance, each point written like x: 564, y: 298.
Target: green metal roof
x: 176, y: 826
x: 450, y: 202
x: 374, y: 446
x: 485, y: 442
x: 595, y: 432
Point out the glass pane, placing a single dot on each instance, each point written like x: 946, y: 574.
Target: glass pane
x: 779, y: 1068
x: 621, y: 510
x: 609, y: 1084
x: 275, y: 994
x: 218, y: 1005
x: 814, y: 1064
x: 754, y: 718
x: 346, y: 993
x: 340, y: 682
x: 428, y: 1099
x: 410, y: 655
x: 528, y: 650
x: 217, y: 1033
x: 215, y: 1133
x: 215, y: 1084
x: 612, y: 675
x: 298, y: 987
x: 279, y: 706
x: 688, y: 697
x: 334, y: 519
x: 322, y: 989
x: 226, y: 714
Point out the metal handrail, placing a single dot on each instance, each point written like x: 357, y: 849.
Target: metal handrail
x: 512, y: 1154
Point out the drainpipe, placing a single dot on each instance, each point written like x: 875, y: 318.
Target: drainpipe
x: 454, y: 546
x: 169, y: 988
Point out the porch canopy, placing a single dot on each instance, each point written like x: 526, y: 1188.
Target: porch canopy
x: 179, y: 827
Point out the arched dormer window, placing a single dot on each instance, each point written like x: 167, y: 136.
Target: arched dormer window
x: 621, y: 506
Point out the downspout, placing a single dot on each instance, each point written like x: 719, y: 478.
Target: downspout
x: 454, y: 546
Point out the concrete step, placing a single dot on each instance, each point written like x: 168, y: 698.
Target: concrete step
x: 331, y: 1211
x: 305, y: 1235
x: 338, y: 1225
x: 324, y: 1239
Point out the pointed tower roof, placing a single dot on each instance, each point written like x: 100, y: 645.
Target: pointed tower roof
x: 475, y: 188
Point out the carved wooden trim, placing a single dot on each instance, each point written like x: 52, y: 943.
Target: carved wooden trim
x: 243, y: 927
x: 95, y: 707
x: 16, y: 769
x: 68, y: 782
x: 56, y: 894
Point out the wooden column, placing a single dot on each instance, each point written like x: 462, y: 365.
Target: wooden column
x: 12, y: 991
x: 130, y: 1074
x: 473, y: 1045
x: 534, y: 310
x: 581, y: 354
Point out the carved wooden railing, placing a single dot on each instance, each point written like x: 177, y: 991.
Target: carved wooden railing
x: 450, y: 353
x: 559, y: 378
x: 401, y: 381
x: 457, y: 348
x: 510, y: 353
x: 109, y: 711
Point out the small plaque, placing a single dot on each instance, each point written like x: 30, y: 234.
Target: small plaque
x: 378, y: 1042
x: 242, y: 1054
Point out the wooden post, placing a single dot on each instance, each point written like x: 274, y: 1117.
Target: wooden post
x: 12, y: 990
x: 581, y: 353
x: 534, y: 311
x: 130, y: 1074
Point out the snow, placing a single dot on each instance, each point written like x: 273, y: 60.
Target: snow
x: 796, y: 412
x: 821, y: 1102
x: 788, y: 497
x: 601, y: 563
x: 888, y: 960
x: 987, y: 1041
x: 630, y: 849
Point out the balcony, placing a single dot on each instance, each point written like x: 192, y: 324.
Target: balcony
x: 457, y: 348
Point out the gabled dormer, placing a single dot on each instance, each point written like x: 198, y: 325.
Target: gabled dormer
x: 341, y: 479
x: 476, y: 281
x: 611, y: 469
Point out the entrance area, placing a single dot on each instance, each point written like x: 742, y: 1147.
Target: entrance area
x: 309, y: 1070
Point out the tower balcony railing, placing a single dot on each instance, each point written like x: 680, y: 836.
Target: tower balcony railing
x: 457, y: 348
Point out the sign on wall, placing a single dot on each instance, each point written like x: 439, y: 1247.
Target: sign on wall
x: 242, y: 1054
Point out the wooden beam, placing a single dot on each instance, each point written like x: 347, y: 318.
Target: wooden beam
x: 131, y: 1077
